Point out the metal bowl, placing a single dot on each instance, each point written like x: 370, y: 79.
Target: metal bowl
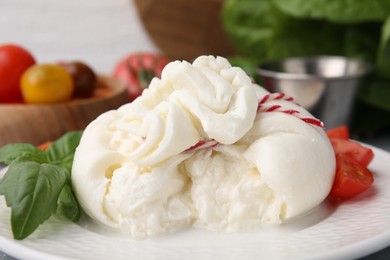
x: 324, y: 85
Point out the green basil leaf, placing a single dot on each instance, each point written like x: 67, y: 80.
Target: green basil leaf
x: 66, y: 163
x: 11, y: 152
x: 343, y: 11
x: 32, y: 191
x: 62, y: 150
x: 68, y: 205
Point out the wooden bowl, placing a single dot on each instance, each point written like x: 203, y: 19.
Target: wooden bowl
x: 185, y: 29
x: 35, y: 124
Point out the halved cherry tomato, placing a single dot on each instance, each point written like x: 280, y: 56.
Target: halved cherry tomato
x: 340, y: 132
x: 138, y: 69
x: 358, y: 152
x: 351, y: 178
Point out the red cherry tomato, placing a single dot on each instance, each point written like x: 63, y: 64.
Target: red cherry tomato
x: 14, y: 60
x: 351, y: 178
x: 349, y: 148
x: 340, y: 132
x: 137, y: 70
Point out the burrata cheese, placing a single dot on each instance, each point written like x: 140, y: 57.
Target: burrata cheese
x: 196, y: 150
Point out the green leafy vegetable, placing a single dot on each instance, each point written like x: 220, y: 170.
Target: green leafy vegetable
x: 62, y: 151
x: 64, y: 147
x: 37, y: 183
x: 31, y: 190
x: 361, y: 41
x: 368, y: 119
x: 290, y: 40
x: 11, y: 152
x: 383, y: 61
x: 263, y: 30
x: 250, y: 25
x: 375, y: 113
x: 342, y: 11
x: 377, y: 93
x: 68, y: 205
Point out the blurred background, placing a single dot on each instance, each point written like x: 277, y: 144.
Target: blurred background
x: 248, y: 32
x: 98, y: 32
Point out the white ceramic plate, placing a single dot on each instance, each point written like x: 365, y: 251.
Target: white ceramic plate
x: 350, y: 230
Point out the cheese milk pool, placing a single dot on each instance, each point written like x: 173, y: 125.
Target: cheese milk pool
x: 196, y: 150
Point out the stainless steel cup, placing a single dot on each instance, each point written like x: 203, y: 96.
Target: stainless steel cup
x: 324, y: 85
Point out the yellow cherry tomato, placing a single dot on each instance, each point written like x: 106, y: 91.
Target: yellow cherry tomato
x: 46, y: 83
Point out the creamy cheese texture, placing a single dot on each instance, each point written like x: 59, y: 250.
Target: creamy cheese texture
x: 194, y: 150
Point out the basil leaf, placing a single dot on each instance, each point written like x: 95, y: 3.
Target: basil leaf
x: 343, y: 11
x: 68, y: 205
x: 11, y: 152
x: 61, y: 151
x: 66, y: 163
x: 32, y: 191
